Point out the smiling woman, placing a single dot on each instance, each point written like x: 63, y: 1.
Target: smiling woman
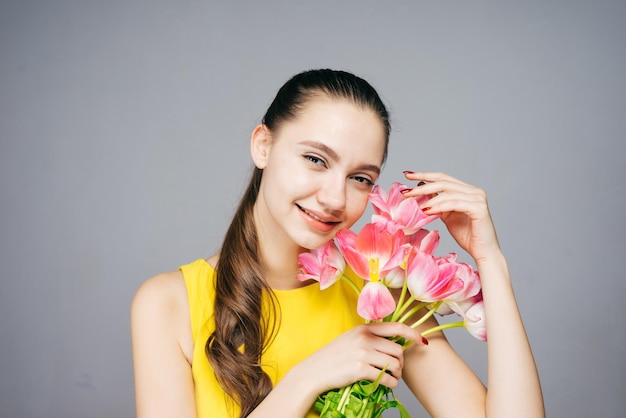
x: 239, y: 335
x: 318, y: 167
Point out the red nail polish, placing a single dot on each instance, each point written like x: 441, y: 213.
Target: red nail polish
x: 421, y: 183
x: 424, y: 341
x: 425, y: 209
x: 403, y: 191
x: 408, y: 172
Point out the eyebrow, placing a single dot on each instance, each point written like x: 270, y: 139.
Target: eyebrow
x: 332, y: 154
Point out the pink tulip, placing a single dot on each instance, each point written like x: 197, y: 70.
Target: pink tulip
x: 375, y: 301
x: 474, y: 320
x: 464, y: 273
x: 459, y: 307
x: 324, y: 264
x: 424, y: 240
x: 396, y: 212
x: 373, y: 252
x: 428, y: 281
x: 444, y: 309
x: 395, y: 278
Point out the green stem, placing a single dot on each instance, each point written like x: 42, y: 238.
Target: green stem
x: 442, y: 327
x: 420, y: 321
x: 364, y: 408
x: 427, y: 315
x: 403, y: 308
x: 351, y: 283
x: 378, y: 409
x: 412, y: 312
x: 345, y: 396
x: 400, y: 302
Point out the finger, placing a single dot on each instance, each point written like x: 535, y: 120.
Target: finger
x: 443, y: 186
x: 393, y: 329
x: 390, y: 364
x: 430, y: 176
x: 462, y: 204
x: 373, y: 373
x: 457, y: 195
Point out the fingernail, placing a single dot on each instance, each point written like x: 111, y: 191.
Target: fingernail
x: 421, y: 183
x: 403, y: 191
x: 425, y: 209
x: 408, y: 172
x: 424, y: 341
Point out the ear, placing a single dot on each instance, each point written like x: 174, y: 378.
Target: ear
x: 260, y: 144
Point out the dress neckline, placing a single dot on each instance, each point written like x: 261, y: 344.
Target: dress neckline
x: 302, y: 289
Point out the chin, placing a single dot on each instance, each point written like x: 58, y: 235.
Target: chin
x: 313, y: 241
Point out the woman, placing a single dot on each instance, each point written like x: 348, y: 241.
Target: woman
x: 238, y: 336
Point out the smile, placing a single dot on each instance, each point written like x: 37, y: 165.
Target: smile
x: 316, y: 217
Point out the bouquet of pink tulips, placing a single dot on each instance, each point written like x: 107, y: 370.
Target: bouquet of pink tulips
x: 394, y: 251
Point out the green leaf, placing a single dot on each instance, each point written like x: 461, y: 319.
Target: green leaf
x: 327, y: 401
x: 403, y: 412
x: 332, y: 414
x: 363, y: 399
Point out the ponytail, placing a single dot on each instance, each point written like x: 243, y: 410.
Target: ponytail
x: 239, y: 320
x: 243, y: 327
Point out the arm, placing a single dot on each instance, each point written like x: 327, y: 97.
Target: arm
x: 358, y: 354
x: 160, y: 334
x: 162, y: 352
x: 513, y: 381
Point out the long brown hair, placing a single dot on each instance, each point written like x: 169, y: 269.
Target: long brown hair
x: 240, y: 319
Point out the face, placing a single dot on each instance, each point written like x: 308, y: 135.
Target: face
x: 319, y: 169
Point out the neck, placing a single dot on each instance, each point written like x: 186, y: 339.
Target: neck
x: 278, y: 255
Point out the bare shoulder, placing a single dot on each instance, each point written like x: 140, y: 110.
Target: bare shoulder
x: 161, y: 307
x: 165, y: 291
x: 162, y: 347
x: 213, y: 260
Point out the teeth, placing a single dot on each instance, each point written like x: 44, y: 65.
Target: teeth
x: 313, y: 216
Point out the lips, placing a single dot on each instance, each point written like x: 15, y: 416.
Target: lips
x: 317, y: 217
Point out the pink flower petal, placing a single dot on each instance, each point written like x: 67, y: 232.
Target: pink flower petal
x: 464, y: 274
x: 309, y: 263
x: 475, y: 321
x: 430, y: 281
x: 402, y: 211
x: 385, y: 223
x: 426, y: 241
x: 375, y: 301
x: 422, y: 272
x: 329, y: 276
x: 395, y: 278
x: 324, y: 264
x: 347, y: 243
x: 397, y: 259
x: 378, y: 199
x: 374, y: 242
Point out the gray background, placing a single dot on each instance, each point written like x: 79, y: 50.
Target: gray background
x: 124, y: 131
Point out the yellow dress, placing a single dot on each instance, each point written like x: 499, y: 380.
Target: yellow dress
x: 310, y: 318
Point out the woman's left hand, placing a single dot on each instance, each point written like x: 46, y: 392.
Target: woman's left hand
x: 463, y: 209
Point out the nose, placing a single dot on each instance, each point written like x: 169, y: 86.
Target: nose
x: 332, y: 195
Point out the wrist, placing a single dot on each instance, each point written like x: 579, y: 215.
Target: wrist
x: 291, y: 397
x: 493, y: 258
x: 301, y: 385
x: 493, y: 269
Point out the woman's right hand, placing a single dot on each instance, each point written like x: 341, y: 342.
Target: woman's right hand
x: 359, y: 354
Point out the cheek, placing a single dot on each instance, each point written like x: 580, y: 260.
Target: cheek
x: 286, y: 178
x: 357, y: 203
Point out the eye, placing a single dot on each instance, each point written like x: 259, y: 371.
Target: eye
x: 363, y: 180
x: 315, y: 159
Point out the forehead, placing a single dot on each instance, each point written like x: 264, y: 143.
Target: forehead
x: 341, y: 124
